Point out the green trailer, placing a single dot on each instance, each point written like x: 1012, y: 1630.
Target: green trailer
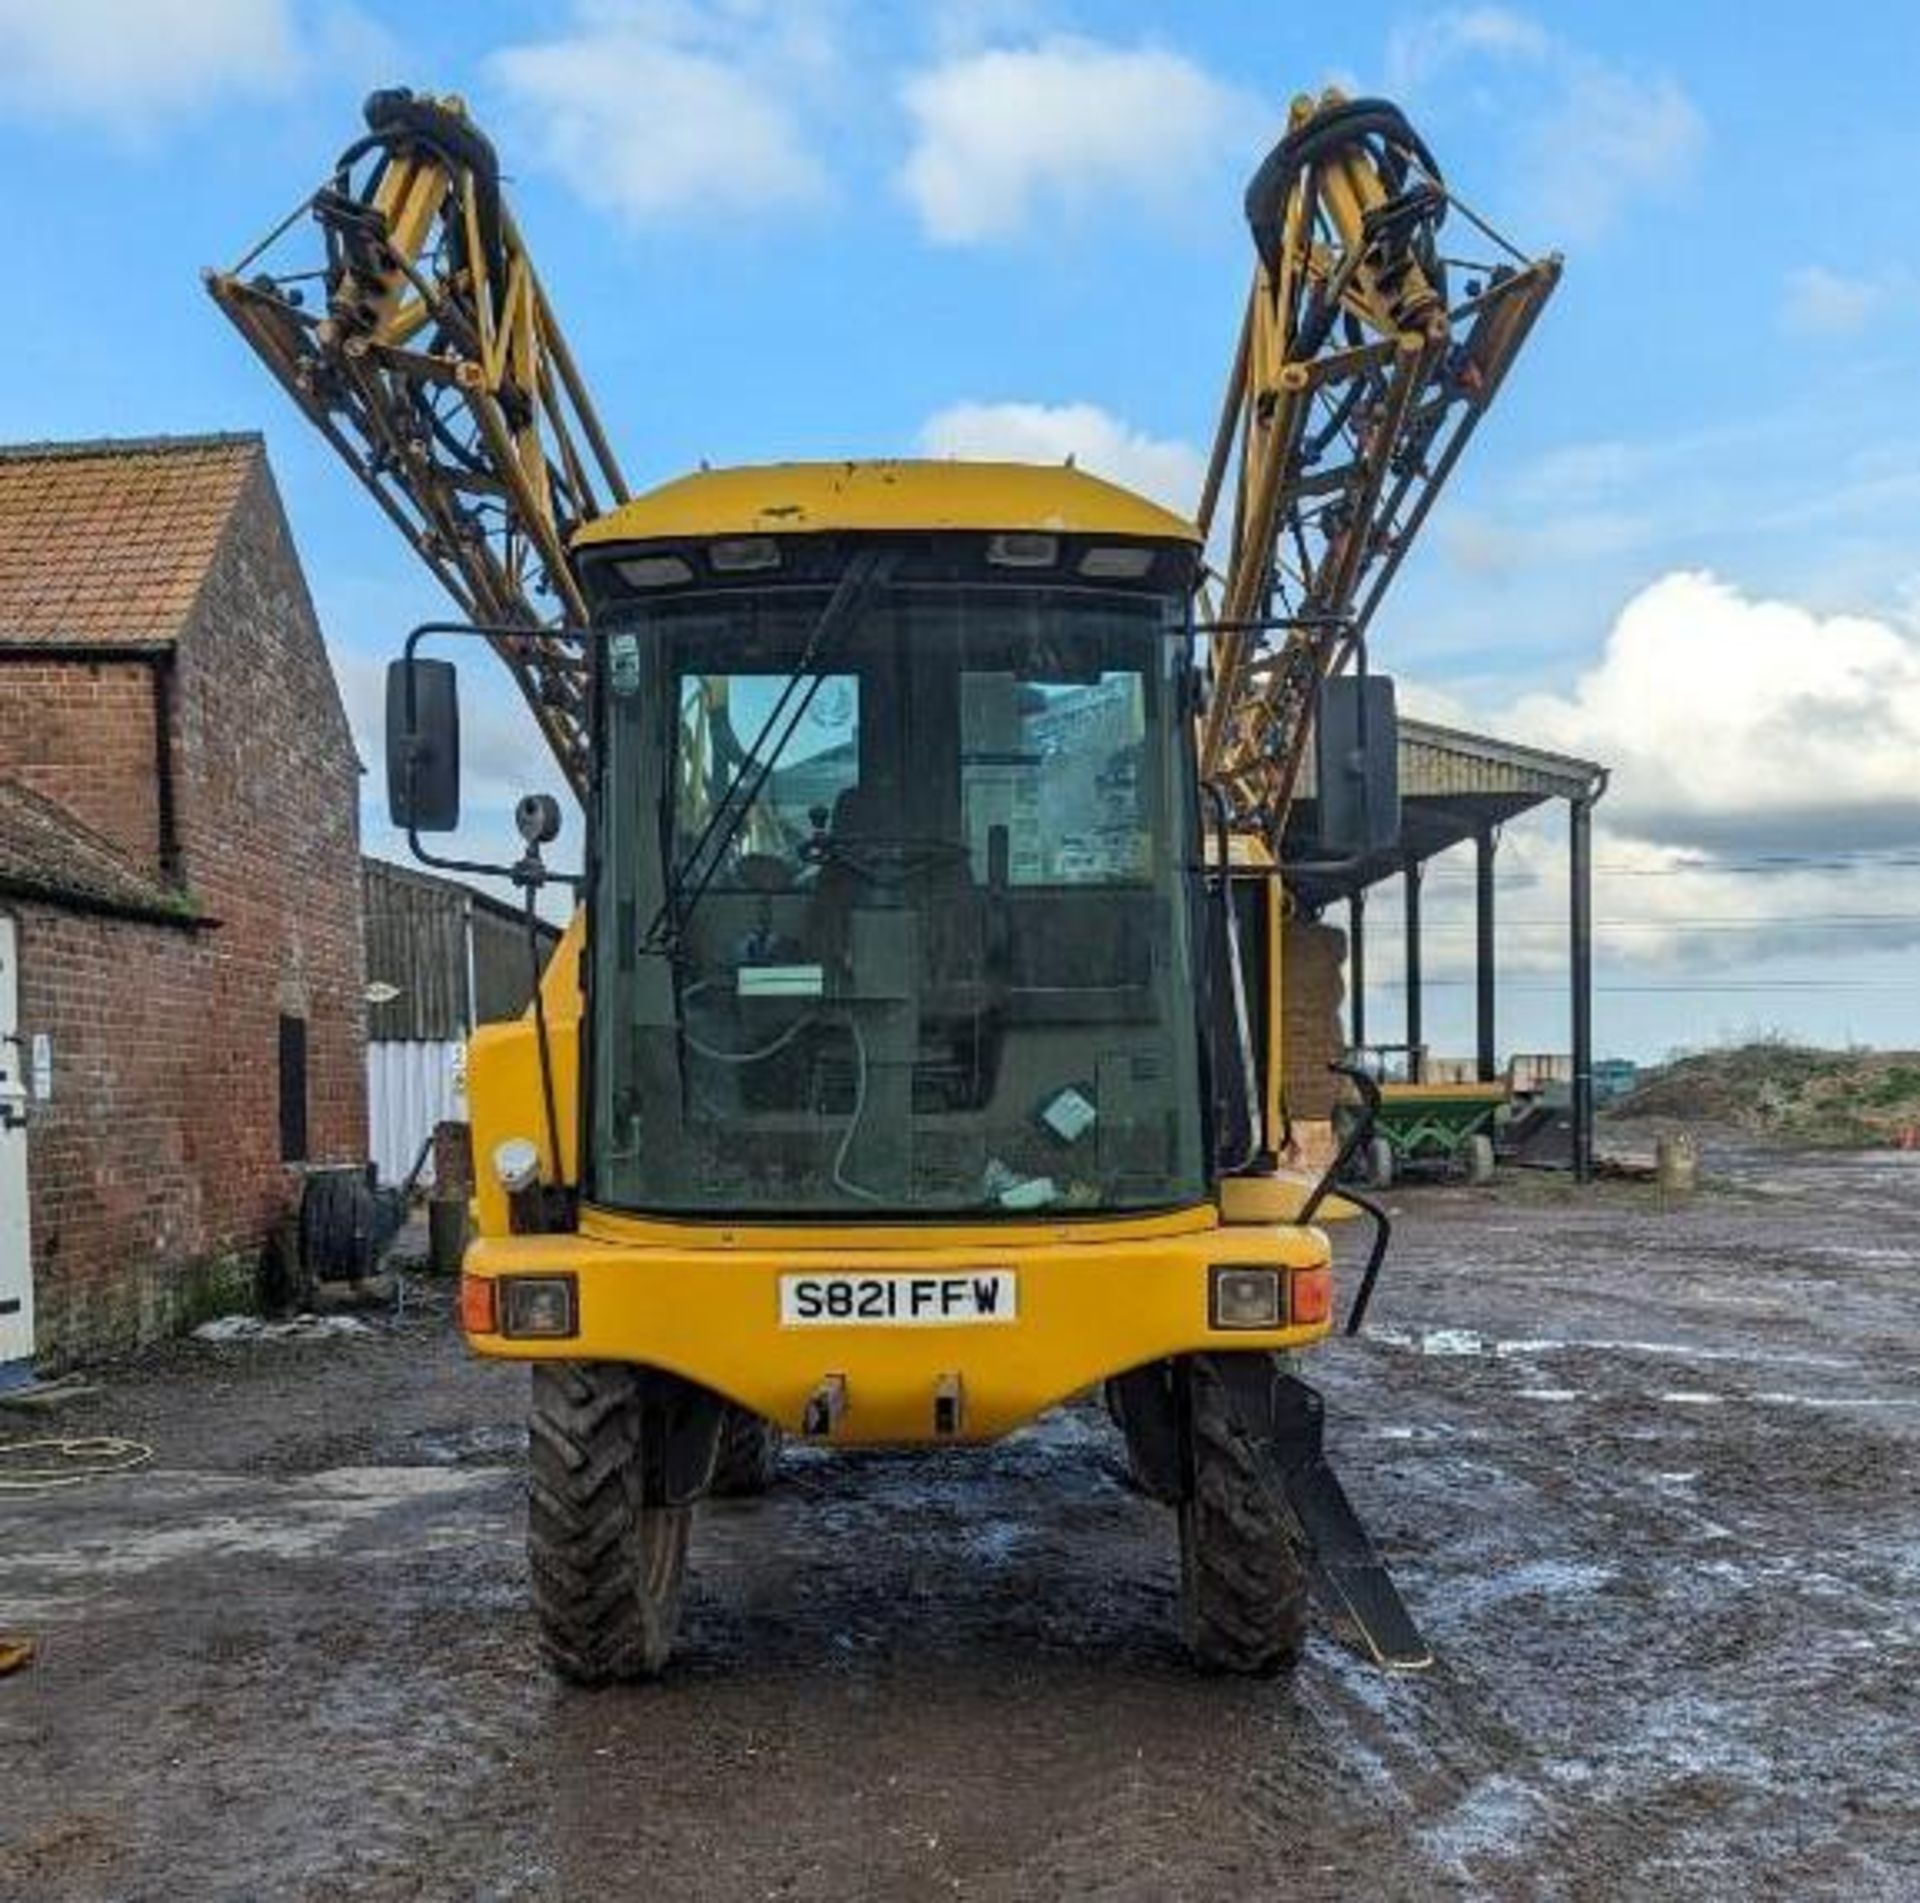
x: 1421, y: 1126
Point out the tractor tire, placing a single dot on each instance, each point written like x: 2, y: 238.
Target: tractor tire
x: 749, y: 1455
x: 1379, y: 1163
x: 607, y: 1568
x: 1477, y: 1155
x: 1243, y: 1562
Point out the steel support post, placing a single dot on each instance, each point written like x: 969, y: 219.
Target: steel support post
x: 1580, y: 871
x: 1483, y: 965
x: 1410, y: 886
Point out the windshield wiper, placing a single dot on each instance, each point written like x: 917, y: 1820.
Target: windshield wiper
x: 864, y: 575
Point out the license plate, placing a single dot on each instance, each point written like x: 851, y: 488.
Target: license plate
x: 966, y: 1297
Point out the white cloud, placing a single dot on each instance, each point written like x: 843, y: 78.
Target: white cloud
x: 965, y: 26
x: 1419, y: 50
x: 1003, y: 135
x: 1594, y: 135
x: 124, y: 64
x: 660, y: 109
x: 1740, y: 733
x: 1821, y: 302
x: 1613, y: 137
x: 1741, y: 724
x: 1165, y: 468
x: 1491, y: 548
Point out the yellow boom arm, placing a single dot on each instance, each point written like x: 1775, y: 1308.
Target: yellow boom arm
x: 432, y: 362
x: 430, y: 359
x: 1356, y: 384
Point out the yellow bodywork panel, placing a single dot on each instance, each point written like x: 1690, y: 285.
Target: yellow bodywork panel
x: 828, y: 498
x: 1278, y: 1196
x: 504, y: 1097
x: 1093, y: 1299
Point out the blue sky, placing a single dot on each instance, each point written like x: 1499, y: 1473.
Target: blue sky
x: 1683, y: 545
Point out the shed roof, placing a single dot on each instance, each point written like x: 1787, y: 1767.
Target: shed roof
x: 1438, y: 762
x: 106, y: 544
x: 45, y: 853
x: 1452, y: 785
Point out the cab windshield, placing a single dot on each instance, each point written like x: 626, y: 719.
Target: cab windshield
x: 891, y: 912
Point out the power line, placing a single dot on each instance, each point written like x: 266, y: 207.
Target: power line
x: 1738, y: 922
x: 1752, y: 987
x: 1705, y: 869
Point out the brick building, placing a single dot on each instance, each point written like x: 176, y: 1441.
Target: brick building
x: 180, y: 916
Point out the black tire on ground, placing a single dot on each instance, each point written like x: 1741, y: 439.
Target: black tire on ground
x: 1477, y: 1155
x: 749, y: 1455
x: 1243, y: 1570
x: 607, y: 1568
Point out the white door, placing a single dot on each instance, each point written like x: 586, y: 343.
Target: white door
x: 16, y: 1258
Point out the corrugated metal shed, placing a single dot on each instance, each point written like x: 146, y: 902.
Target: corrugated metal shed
x: 1457, y: 787
x: 441, y: 958
x: 413, y: 1087
x: 452, y: 956
x: 502, y: 975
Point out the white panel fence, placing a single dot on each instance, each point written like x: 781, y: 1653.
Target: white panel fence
x: 410, y: 1088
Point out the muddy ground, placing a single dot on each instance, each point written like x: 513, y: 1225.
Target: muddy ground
x: 1648, y: 1475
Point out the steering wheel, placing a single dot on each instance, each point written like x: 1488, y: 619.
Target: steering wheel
x: 892, y: 860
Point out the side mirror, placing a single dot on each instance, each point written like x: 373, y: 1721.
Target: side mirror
x: 1357, y: 765
x: 423, y: 745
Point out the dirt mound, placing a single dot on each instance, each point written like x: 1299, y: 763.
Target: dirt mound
x: 1849, y: 1098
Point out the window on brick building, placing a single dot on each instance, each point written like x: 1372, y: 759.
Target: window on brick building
x: 293, y: 1090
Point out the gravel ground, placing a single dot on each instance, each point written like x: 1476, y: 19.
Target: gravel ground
x: 1647, y: 1475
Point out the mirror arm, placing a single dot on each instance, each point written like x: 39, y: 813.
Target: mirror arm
x: 519, y: 873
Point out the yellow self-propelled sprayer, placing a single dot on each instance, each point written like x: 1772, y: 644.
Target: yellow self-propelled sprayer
x: 912, y: 1063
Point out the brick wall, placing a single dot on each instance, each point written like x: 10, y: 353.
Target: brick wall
x: 156, y: 1170
x: 268, y: 815
x: 122, y: 1243
x: 81, y: 733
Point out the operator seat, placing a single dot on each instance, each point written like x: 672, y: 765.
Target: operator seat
x: 941, y: 890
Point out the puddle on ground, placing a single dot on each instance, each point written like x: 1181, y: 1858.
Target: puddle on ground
x: 495, y: 1444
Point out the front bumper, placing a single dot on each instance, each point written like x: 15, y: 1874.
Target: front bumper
x: 1095, y: 1299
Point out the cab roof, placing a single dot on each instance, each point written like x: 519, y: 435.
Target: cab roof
x: 823, y: 498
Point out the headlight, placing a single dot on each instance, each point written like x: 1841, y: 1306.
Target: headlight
x: 1245, y: 1298
x: 538, y: 1307
x: 516, y: 1164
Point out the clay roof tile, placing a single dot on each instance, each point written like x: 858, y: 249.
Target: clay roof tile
x: 108, y: 542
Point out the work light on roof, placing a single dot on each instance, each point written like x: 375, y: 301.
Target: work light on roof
x: 740, y: 554
x: 654, y: 571
x: 1023, y: 550
x: 1127, y: 562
